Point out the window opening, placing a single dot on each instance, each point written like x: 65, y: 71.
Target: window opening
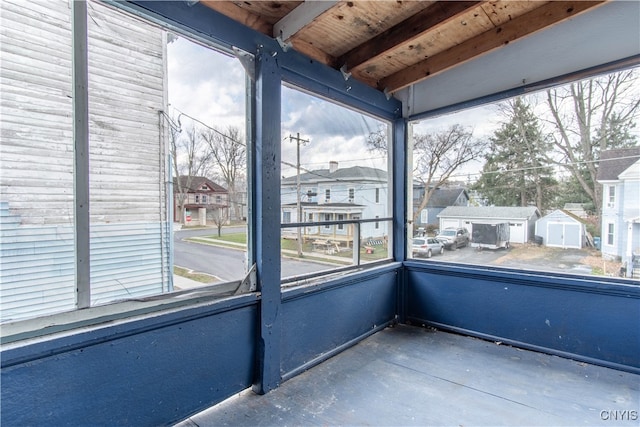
x: 342, y: 155
x: 513, y: 183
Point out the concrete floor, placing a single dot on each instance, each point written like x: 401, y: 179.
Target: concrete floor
x: 409, y: 376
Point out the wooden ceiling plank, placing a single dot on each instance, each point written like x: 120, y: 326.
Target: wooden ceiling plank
x: 428, y: 19
x: 300, y: 17
x: 544, y: 16
x: 240, y: 15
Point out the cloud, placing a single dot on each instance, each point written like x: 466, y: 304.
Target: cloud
x: 206, y: 84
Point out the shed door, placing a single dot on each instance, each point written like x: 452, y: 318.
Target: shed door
x: 554, y: 234
x: 572, y: 236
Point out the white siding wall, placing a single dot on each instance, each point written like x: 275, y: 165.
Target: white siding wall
x: 37, y: 264
x: 127, y: 172
x: 130, y: 240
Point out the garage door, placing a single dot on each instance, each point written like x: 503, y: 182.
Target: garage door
x: 516, y: 232
x: 563, y: 235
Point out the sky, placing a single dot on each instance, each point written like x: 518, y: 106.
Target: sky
x: 210, y: 86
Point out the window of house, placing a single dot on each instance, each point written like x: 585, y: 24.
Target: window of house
x: 610, y: 234
x: 197, y: 198
x: 105, y: 221
x: 506, y: 171
x: 204, y: 199
x: 286, y: 217
x: 218, y: 199
x: 340, y: 152
x: 612, y: 196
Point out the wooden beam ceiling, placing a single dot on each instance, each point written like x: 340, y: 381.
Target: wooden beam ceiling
x: 392, y: 44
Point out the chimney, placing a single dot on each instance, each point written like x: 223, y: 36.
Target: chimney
x: 333, y: 166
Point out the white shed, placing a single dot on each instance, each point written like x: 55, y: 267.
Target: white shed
x: 561, y: 229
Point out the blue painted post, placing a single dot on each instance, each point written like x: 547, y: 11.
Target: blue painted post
x: 400, y: 194
x: 267, y: 218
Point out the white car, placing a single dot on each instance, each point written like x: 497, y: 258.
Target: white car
x: 426, y: 246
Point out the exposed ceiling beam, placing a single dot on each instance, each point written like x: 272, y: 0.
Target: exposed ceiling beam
x: 428, y: 19
x: 300, y: 17
x: 544, y: 16
x: 239, y: 14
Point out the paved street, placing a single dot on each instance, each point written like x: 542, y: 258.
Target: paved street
x: 224, y: 263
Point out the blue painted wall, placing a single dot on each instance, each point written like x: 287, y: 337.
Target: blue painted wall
x: 594, y: 321
x: 316, y: 323
x: 148, y: 372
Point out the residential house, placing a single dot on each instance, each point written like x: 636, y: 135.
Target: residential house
x: 337, y: 194
x: 201, y: 200
x: 440, y: 199
x: 619, y: 174
x: 521, y: 219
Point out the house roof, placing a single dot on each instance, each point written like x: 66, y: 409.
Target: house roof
x: 443, y: 197
x: 559, y: 213
x: 197, y: 182
x: 354, y: 173
x: 493, y: 212
x: 614, y: 162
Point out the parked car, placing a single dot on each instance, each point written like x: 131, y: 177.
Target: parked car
x: 454, y: 238
x: 427, y: 246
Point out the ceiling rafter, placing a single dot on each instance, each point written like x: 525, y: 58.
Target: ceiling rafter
x: 544, y: 16
x: 300, y: 17
x: 429, y: 19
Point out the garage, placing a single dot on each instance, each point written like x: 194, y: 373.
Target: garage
x: 561, y: 229
x: 521, y: 219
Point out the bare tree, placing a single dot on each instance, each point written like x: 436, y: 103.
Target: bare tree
x: 436, y: 156
x: 229, y: 156
x: 219, y: 215
x: 188, y: 160
x: 591, y: 116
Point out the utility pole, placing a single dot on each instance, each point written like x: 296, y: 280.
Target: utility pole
x: 299, y: 205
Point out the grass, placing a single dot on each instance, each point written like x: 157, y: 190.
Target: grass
x: 189, y: 274
x: 292, y: 245
x: 232, y: 238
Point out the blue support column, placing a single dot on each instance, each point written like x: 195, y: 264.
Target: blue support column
x: 400, y: 193
x: 400, y: 174
x: 267, y: 218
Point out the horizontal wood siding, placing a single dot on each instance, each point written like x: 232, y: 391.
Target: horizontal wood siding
x: 36, y: 152
x: 129, y: 251
x: 130, y: 242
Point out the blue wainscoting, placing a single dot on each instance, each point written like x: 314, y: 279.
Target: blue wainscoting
x: 318, y: 323
x: 152, y: 371
x: 591, y: 319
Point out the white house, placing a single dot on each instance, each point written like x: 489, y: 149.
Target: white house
x: 521, y: 219
x: 337, y: 194
x: 619, y: 174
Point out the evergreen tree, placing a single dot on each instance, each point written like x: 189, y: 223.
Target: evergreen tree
x: 516, y: 172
